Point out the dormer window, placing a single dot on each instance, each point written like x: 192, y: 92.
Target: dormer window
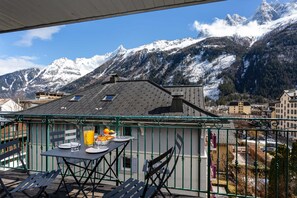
x: 108, y: 98
x: 76, y: 98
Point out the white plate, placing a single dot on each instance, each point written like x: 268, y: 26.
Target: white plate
x: 96, y: 150
x: 121, y: 138
x: 66, y: 146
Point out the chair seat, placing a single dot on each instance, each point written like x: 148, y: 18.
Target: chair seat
x: 131, y: 188
x: 38, y: 180
x: 135, y: 188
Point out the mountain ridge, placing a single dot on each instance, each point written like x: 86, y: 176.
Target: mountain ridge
x: 224, y: 64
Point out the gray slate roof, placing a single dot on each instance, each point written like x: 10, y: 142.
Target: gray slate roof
x: 132, y: 98
x: 193, y: 94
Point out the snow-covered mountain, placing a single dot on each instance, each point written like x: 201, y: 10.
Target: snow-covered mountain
x: 62, y: 71
x: 267, y: 13
x: 266, y: 18
x: 224, y: 57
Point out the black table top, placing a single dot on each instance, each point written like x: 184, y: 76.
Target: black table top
x: 81, y: 154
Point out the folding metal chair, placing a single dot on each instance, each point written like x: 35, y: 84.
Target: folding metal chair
x: 135, y: 188
x: 39, y: 180
x: 59, y: 137
x: 179, y: 141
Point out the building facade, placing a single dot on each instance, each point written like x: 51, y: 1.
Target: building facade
x: 240, y: 108
x: 41, y: 98
x: 286, y: 108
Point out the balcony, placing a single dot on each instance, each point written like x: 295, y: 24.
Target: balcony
x: 220, y: 157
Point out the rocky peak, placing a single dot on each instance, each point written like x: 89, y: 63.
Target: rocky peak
x: 235, y: 19
x: 266, y: 13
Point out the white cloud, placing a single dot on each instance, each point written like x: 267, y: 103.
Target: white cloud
x: 221, y: 28
x: 42, y: 34
x: 11, y: 64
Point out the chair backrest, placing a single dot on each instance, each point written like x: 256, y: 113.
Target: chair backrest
x: 156, y: 168
x: 7, y: 150
x: 178, y: 145
x: 58, y: 137
x: 179, y: 142
x: 11, y: 149
x: 70, y: 134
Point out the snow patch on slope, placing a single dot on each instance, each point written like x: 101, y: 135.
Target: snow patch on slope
x: 208, y: 72
x: 4, y: 88
x: 165, y: 45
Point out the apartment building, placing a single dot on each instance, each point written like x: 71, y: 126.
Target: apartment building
x: 240, y: 108
x: 286, y: 108
x: 41, y: 98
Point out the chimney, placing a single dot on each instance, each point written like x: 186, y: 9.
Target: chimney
x: 113, y: 78
x: 177, y: 102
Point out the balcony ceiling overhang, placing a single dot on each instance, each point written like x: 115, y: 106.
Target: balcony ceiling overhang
x: 16, y: 15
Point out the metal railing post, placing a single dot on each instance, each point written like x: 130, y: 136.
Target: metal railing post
x: 46, y: 141
x: 209, y: 162
x: 117, y: 150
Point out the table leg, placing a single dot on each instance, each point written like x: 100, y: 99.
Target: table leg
x: 93, y: 171
x: 89, y: 177
x: 117, y: 167
x: 111, y: 164
x: 80, y: 187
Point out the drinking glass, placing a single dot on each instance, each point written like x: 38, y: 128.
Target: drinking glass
x: 75, y: 145
x: 89, y: 132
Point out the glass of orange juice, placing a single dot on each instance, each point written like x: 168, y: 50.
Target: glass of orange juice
x: 89, y: 132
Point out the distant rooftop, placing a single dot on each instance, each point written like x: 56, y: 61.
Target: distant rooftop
x: 291, y: 92
x: 3, y: 100
x: 235, y: 103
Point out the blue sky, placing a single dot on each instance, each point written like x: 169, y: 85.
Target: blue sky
x: 40, y: 47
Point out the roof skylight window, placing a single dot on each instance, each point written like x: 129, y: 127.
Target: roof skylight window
x: 76, y: 98
x: 108, y: 98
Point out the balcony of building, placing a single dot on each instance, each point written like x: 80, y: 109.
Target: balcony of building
x: 221, y: 156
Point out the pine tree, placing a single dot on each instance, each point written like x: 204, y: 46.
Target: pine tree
x: 278, y: 174
x: 293, y: 160
x: 293, y: 167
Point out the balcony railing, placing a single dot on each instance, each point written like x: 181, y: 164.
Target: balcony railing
x: 221, y: 156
